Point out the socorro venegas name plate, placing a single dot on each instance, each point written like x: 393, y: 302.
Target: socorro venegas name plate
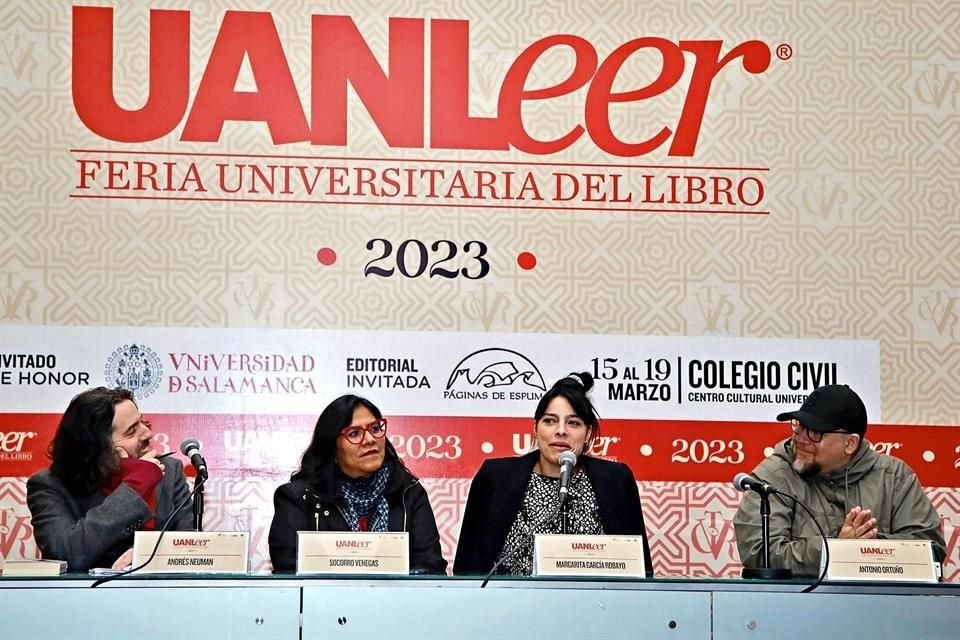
x: 577, y: 555
x: 325, y: 552
x: 192, y: 551
x: 881, y: 560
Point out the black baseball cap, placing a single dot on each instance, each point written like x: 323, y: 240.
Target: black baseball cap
x: 830, y: 408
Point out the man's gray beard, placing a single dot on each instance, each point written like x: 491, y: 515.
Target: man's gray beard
x: 806, y: 470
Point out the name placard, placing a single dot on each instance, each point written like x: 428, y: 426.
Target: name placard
x: 322, y: 552
x: 880, y: 560
x: 570, y: 555
x: 192, y: 551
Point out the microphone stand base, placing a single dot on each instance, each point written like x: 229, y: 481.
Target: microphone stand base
x: 766, y: 573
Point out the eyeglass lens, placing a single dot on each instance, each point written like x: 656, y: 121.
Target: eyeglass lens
x: 357, y: 434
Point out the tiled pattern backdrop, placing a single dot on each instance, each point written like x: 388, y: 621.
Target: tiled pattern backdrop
x: 861, y: 131
x: 690, y: 524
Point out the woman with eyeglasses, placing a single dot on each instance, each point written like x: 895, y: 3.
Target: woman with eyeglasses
x: 351, y: 479
x: 512, y: 499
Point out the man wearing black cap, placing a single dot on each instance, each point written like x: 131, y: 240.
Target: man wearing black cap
x: 855, y: 491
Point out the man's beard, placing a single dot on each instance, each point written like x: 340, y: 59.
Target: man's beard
x: 806, y: 470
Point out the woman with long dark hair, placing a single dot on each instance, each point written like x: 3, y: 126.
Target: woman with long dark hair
x: 512, y: 499
x: 351, y: 479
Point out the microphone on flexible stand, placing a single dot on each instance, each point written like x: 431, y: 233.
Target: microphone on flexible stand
x: 191, y: 448
x: 197, y: 490
x: 568, y: 460
x: 508, y: 556
x: 746, y: 482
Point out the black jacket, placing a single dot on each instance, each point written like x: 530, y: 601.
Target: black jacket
x: 496, y: 495
x: 297, y: 508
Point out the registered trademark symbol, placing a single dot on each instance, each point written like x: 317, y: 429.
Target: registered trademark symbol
x: 784, y: 51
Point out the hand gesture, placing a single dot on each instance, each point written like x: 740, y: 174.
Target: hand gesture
x: 859, y: 523
x: 151, y: 456
x: 124, y: 560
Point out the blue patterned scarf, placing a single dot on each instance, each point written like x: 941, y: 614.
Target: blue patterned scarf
x: 364, y: 497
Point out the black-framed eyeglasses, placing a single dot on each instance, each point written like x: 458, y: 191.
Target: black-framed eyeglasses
x: 812, y: 436
x: 355, y: 435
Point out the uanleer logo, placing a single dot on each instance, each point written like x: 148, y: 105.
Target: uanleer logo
x: 190, y: 542
x: 876, y: 551
x: 353, y: 544
x: 886, y: 447
x: 11, y: 445
x: 397, y: 102
x: 587, y: 546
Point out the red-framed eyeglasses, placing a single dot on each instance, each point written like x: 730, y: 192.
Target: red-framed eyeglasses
x: 355, y: 435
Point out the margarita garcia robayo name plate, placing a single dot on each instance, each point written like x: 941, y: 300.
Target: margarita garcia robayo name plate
x: 578, y: 555
x: 192, y: 551
x: 325, y: 552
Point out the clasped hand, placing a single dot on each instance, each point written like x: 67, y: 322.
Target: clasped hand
x: 859, y: 523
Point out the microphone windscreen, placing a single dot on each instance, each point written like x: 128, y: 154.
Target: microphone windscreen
x: 187, y: 445
x: 568, y: 457
x: 741, y: 481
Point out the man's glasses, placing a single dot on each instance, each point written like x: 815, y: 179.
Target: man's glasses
x: 356, y: 435
x: 812, y: 436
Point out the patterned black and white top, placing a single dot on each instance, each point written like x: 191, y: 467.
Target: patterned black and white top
x: 539, y: 513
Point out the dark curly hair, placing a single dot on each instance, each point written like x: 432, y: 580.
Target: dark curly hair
x: 82, y: 454
x: 318, y: 465
x: 574, y: 388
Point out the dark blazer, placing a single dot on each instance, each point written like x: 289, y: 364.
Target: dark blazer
x: 94, y: 530
x: 496, y: 495
x: 297, y: 508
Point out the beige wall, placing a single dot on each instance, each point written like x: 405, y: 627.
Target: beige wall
x: 859, y: 130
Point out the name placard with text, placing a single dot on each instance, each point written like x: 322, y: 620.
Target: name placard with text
x: 881, y: 560
x: 193, y: 551
x: 320, y: 552
x: 579, y: 555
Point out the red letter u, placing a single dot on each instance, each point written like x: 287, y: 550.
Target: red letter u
x: 93, y: 96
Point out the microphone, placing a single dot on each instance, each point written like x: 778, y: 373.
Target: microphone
x: 191, y: 448
x: 568, y: 460
x: 197, y: 490
x: 508, y: 554
x: 746, y: 482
